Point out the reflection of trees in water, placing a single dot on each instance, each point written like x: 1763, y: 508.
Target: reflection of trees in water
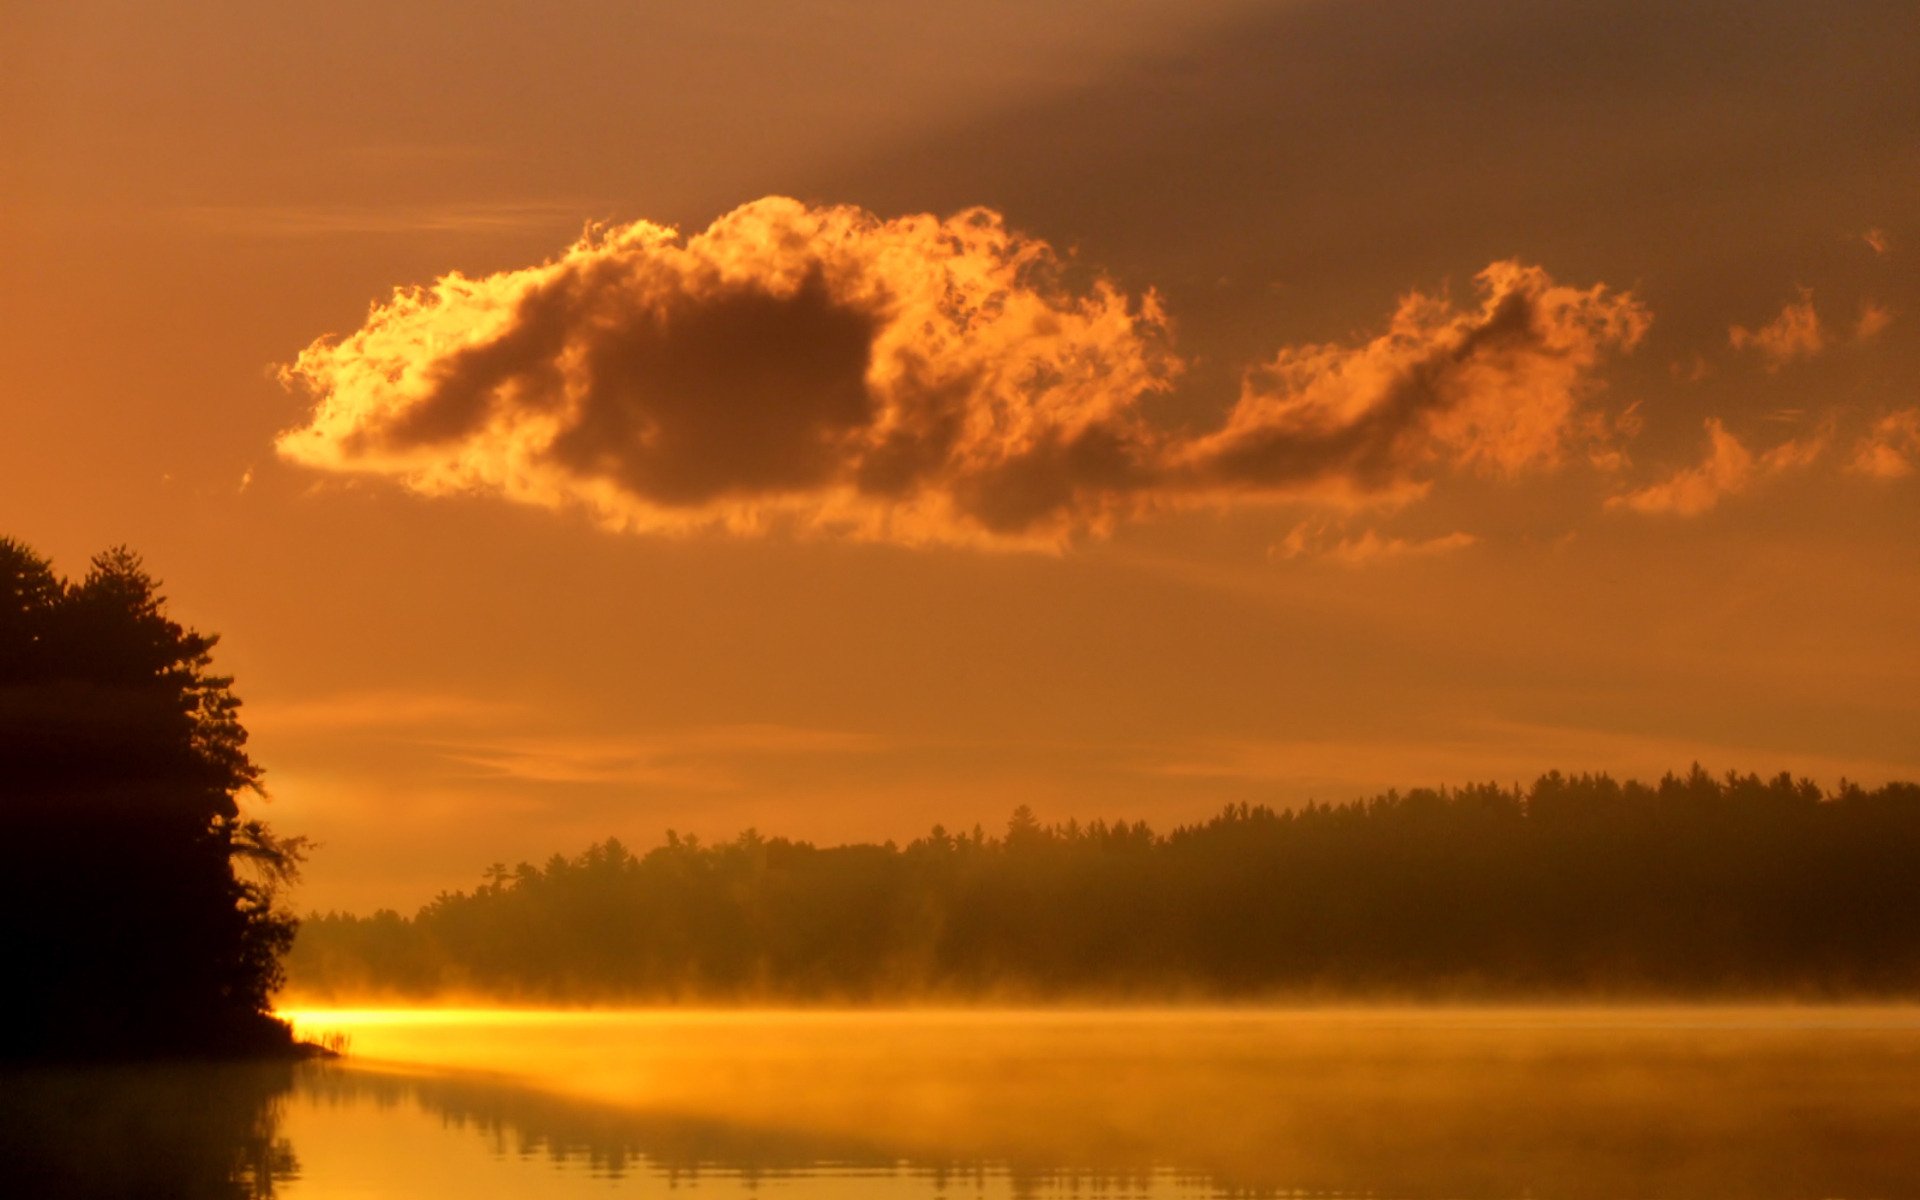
x: 191, y: 1132
x: 1601, y: 1112
x: 1583, y: 1114
x: 607, y: 1141
x: 612, y: 1142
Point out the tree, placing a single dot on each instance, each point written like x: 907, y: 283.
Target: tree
x: 137, y: 902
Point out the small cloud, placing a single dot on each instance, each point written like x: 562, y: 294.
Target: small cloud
x: 1874, y: 320
x: 1693, y: 370
x: 1876, y: 240
x: 1728, y: 469
x: 246, y: 480
x: 1496, y: 389
x: 1794, y: 455
x: 1795, y: 334
x: 1890, y: 448
x: 1606, y: 452
x: 694, y: 760
x: 1311, y: 539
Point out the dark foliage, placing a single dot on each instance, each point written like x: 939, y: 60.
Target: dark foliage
x: 125, y: 926
x: 1694, y: 886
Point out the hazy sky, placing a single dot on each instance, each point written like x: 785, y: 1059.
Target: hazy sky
x: 1120, y: 408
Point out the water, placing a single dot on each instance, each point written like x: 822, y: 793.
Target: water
x: 1758, y: 1102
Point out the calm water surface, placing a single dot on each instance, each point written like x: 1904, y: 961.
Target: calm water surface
x: 1472, y: 1103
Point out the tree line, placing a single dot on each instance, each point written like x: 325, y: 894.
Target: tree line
x: 1575, y: 886
x: 139, y: 908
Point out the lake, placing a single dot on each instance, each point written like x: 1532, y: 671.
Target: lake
x: 1546, y: 1102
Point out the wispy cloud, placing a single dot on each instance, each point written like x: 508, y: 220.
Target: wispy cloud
x: 699, y: 759
x: 1796, y: 333
x: 1728, y: 469
x: 1890, y: 448
x: 1874, y: 319
x: 1316, y: 539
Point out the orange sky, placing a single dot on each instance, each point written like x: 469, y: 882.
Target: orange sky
x: 1121, y: 408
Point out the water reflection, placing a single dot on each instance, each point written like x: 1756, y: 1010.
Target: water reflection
x: 649, y: 1152
x: 604, y: 1141
x: 1763, y: 1104
x: 1755, y: 1104
x: 195, y: 1132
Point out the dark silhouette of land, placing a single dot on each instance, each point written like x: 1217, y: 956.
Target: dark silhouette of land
x: 1695, y: 886
x: 137, y: 903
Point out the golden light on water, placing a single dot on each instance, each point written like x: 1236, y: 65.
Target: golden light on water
x: 1332, y: 1097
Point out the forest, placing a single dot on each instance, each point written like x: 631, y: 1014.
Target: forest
x: 140, y: 910
x: 1575, y: 887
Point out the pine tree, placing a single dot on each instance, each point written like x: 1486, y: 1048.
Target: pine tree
x: 136, y: 900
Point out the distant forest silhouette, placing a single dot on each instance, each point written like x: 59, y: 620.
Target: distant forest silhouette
x: 1576, y: 886
x: 138, y: 911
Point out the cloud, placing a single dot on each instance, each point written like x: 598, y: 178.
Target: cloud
x: 1495, y: 389
x: 1313, y: 539
x: 1795, y: 334
x: 1874, y: 319
x: 1890, y: 448
x: 689, y: 759
x: 913, y: 380
x: 1876, y: 240
x: 1728, y: 469
x: 917, y: 380
x: 1693, y: 370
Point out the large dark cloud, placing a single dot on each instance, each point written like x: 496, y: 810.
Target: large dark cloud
x: 915, y: 380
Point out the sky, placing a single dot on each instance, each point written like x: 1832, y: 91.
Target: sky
x: 593, y: 419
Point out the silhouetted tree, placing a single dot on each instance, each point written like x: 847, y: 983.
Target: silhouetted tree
x: 136, y: 901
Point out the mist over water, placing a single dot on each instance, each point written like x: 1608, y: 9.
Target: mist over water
x: 1766, y: 1103
x: 1578, y: 1102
